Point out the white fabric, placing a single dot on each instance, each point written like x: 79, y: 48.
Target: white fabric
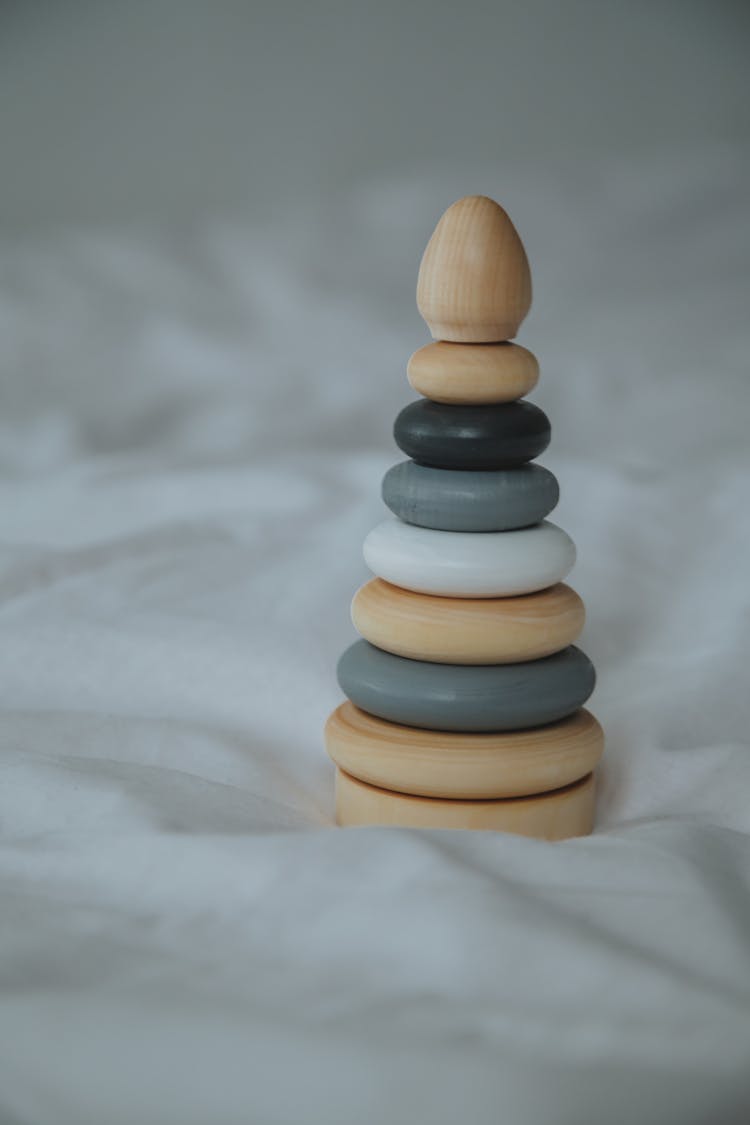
x: 193, y: 432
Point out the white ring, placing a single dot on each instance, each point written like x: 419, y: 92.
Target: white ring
x: 469, y: 564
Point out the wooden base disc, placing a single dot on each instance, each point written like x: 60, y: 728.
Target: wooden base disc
x: 445, y: 764
x: 465, y: 630
x: 552, y: 816
x: 473, y: 373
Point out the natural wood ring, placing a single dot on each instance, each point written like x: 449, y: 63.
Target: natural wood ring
x: 473, y: 373
x: 448, y: 630
x: 445, y: 764
x: 552, y: 816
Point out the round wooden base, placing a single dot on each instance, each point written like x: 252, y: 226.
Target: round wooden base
x: 430, y: 763
x: 467, y: 630
x: 551, y: 816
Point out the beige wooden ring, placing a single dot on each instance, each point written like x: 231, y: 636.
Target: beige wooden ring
x: 551, y: 816
x: 478, y: 373
x: 446, y: 764
x: 447, y: 630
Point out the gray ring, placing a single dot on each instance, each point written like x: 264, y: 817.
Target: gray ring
x: 470, y: 500
x: 459, y: 697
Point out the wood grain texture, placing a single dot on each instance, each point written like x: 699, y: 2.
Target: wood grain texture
x: 467, y: 630
x: 464, y: 374
x: 552, y: 816
x: 468, y: 766
x: 474, y: 281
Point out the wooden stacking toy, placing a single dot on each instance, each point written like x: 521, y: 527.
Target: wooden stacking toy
x: 466, y: 691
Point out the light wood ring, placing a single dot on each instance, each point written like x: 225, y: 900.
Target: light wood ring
x: 445, y: 764
x: 473, y: 373
x: 447, y: 630
x: 552, y: 816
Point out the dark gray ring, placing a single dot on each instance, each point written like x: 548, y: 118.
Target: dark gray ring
x: 497, y: 436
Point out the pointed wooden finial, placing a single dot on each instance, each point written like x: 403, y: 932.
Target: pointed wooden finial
x: 474, y: 282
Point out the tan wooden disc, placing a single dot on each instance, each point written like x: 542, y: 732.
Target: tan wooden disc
x: 467, y: 630
x: 474, y: 284
x: 430, y: 763
x: 473, y: 373
x: 551, y: 816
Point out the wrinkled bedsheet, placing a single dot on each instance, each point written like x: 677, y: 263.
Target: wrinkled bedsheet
x: 194, y: 426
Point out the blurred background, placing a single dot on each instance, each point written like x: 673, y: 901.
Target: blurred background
x: 172, y: 108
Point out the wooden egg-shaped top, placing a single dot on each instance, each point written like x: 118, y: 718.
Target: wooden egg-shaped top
x: 474, y: 282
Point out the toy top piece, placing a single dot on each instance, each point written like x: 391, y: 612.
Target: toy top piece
x: 474, y: 282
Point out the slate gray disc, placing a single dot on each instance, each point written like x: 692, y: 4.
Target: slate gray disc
x: 470, y: 500
x: 497, y: 436
x: 460, y: 697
